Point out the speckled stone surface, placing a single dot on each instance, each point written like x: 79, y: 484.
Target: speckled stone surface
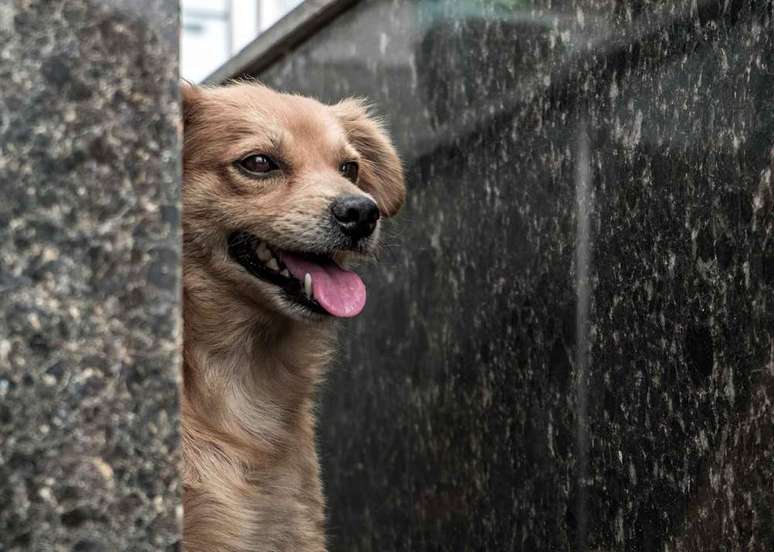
x: 89, y: 263
x: 568, y: 344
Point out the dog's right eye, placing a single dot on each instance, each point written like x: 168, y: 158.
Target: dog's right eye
x: 257, y: 164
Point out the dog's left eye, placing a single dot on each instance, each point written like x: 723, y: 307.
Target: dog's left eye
x: 257, y: 164
x: 349, y: 170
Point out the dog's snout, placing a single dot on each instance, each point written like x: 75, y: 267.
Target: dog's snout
x: 356, y: 215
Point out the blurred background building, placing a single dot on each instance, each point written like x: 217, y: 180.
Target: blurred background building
x: 214, y: 30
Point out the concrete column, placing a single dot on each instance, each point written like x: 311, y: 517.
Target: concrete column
x: 89, y: 275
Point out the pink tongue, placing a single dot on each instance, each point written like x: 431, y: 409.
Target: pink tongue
x: 340, y: 292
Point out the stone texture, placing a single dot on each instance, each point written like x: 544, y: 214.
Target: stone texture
x: 89, y: 270
x: 568, y: 344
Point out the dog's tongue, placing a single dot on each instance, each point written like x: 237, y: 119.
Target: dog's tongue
x: 340, y: 292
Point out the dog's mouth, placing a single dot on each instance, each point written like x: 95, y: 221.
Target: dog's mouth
x: 315, y: 282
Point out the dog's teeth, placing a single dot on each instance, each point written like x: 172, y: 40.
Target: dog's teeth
x: 308, y: 285
x: 263, y: 252
x: 272, y: 264
x: 285, y: 273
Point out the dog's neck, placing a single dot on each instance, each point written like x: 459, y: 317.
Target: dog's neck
x: 248, y: 426
x: 254, y: 370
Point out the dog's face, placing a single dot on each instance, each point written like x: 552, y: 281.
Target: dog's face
x: 280, y: 191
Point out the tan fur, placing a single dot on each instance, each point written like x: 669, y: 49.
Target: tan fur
x: 251, y: 364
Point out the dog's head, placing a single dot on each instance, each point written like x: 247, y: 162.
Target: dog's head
x: 280, y: 191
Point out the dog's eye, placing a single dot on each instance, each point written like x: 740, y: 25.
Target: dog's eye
x: 257, y: 164
x: 349, y: 170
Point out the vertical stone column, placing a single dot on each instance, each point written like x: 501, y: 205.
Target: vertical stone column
x: 89, y: 275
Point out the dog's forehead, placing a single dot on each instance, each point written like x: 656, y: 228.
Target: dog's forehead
x: 307, y: 121
x: 298, y: 119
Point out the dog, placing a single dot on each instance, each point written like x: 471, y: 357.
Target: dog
x: 280, y: 194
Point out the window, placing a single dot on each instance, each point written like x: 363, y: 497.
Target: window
x: 214, y: 30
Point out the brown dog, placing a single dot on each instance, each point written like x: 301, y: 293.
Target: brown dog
x: 279, y: 193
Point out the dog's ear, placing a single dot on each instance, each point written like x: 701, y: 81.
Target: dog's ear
x: 381, y: 173
x: 190, y: 95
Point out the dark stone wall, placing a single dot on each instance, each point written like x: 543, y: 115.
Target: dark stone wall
x: 568, y: 343
x: 89, y: 264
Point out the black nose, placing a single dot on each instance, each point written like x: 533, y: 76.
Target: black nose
x: 356, y: 215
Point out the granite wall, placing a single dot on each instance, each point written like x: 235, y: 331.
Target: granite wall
x: 89, y: 264
x: 569, y: 341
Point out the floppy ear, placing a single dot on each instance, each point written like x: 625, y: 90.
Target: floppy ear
x: 381, y: 173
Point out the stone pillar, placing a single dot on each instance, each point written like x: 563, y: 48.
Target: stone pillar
x: 89, y: 275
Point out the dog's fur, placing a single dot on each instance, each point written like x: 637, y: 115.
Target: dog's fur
x: 252, y: 359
